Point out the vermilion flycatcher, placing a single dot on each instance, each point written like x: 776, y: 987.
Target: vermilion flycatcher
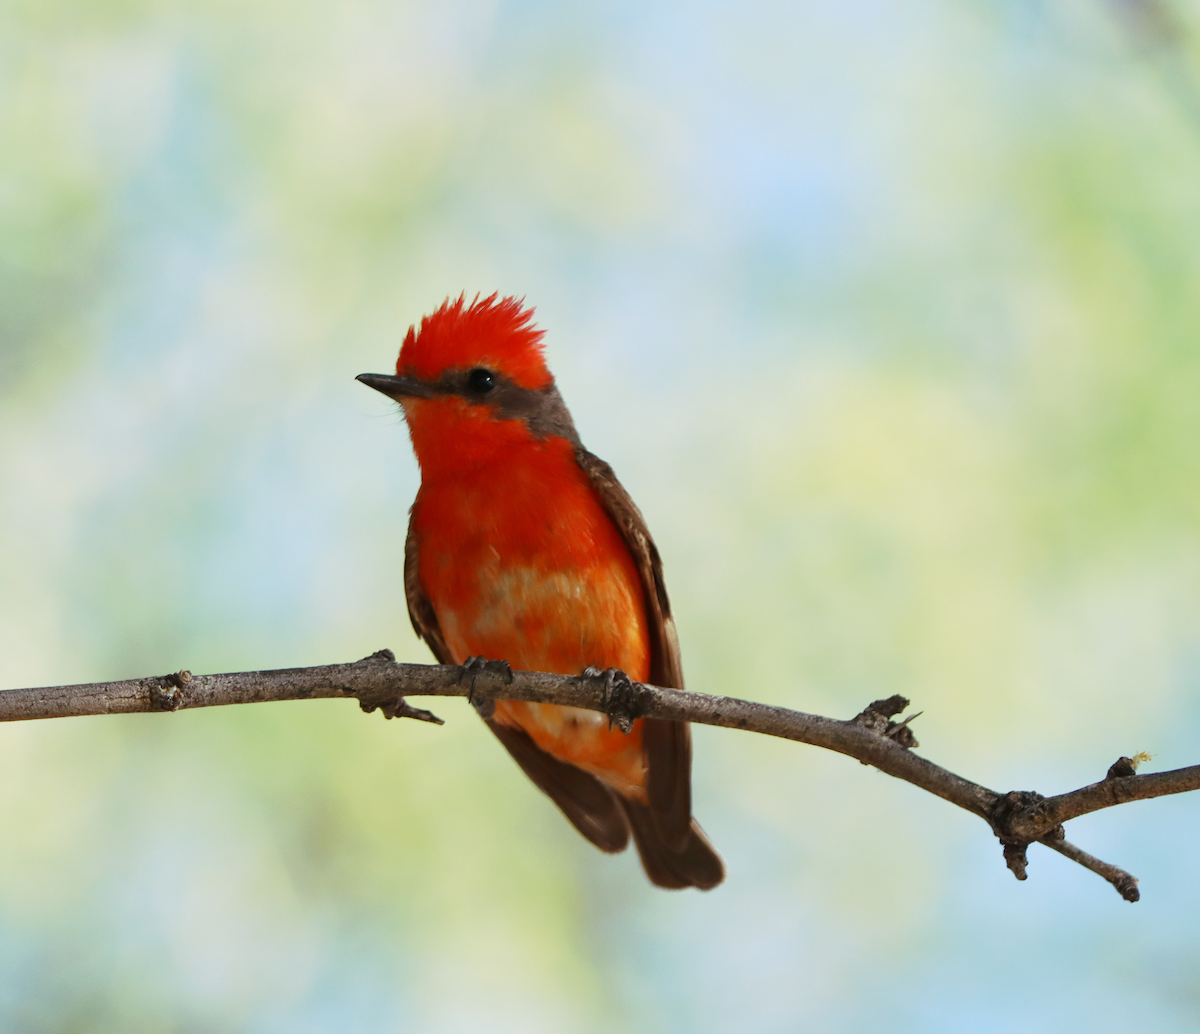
x: 523, y: 546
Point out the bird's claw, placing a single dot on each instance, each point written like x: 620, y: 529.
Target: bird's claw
x: 619, y: 700
x: 475, y: 666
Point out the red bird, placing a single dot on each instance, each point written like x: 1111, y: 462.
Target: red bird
x: 523, y: 546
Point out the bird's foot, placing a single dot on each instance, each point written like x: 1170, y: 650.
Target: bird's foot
x: 621, y: 697
x: 476, y: 666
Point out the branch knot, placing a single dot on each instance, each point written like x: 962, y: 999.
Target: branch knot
x: 877, y: 716
x: 1018, y: 818
x: 165, y: 692
x: 401, y: 708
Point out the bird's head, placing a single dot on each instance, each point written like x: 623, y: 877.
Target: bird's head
x: 472, y: 380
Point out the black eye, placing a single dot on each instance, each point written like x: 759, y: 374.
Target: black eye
x: 481, y: 380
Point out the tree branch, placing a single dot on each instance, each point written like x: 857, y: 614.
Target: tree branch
x: 1018, y: 818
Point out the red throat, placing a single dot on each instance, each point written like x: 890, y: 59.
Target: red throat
x: 450, y: 436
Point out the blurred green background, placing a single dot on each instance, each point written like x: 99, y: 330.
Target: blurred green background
x: 886, y: 314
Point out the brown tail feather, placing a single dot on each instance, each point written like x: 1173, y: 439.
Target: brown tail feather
x: 668, y: 748
x: 696, y: 864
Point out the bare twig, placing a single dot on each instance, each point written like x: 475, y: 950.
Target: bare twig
x: 1018, y: 818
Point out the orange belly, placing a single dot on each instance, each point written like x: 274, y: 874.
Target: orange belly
x: 540, y: 578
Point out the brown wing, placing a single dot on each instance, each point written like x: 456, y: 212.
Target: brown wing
x: 668, y: 744
x: 665, y: 666
x: 583, y: 799
x: 420, y: 610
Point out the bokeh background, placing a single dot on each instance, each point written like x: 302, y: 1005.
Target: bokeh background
x: 886, y: 314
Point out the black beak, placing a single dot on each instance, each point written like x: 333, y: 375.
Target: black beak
x: 398, y: 388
